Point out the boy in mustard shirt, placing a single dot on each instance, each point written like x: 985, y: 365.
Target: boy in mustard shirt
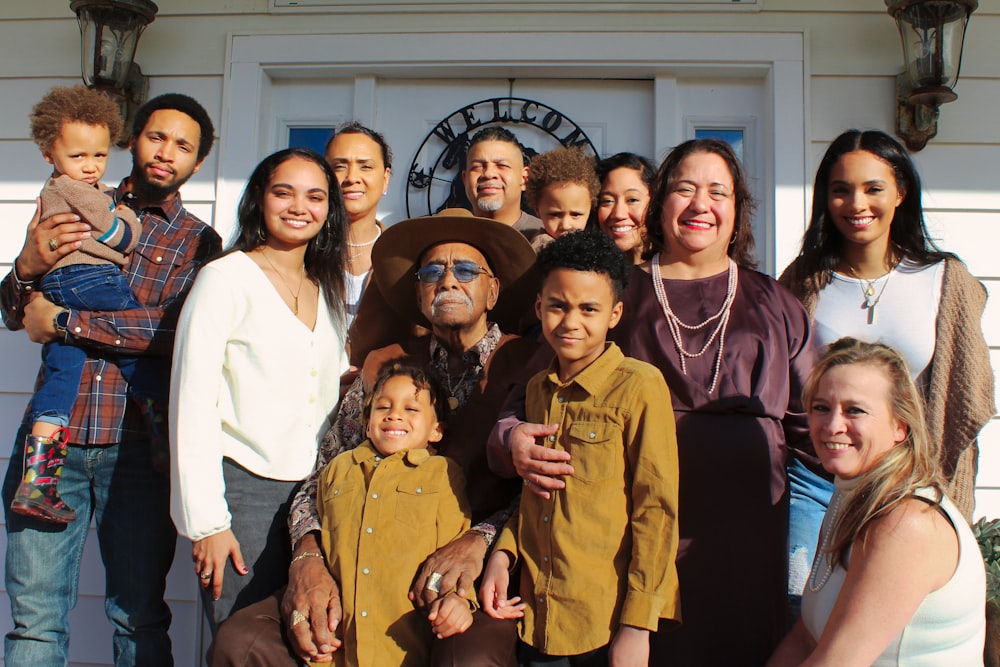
x: 597, y: 558
x: 384, y: 507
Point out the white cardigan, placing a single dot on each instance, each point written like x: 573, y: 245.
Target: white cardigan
x: 250, y: 382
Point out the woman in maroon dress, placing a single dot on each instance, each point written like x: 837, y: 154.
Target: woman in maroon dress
x: 734, y: 348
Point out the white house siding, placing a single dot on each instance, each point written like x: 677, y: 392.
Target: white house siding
x: 853, y: 56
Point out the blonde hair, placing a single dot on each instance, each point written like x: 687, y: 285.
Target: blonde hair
x: 906, y: 467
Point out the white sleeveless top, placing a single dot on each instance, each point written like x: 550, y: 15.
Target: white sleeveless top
x: 949, y: 627
x: 907, y: 311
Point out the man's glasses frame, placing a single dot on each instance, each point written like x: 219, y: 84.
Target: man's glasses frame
x: 464, y: 272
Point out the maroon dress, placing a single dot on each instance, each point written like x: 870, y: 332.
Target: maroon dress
x: 732, y: 446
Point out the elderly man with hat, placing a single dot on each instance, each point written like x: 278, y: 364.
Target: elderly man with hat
x: 466, y: 279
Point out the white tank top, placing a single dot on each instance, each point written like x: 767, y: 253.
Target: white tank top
x: 907, y: 311
x: 949, y: 626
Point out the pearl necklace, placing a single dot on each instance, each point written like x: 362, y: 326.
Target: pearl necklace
x: 675, y: 324
x: 351, y: 257
x: 823, y: 555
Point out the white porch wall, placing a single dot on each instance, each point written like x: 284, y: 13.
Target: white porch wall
x: 853, y: 56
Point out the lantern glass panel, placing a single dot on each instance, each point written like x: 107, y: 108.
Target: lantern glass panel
x: 932, y: 35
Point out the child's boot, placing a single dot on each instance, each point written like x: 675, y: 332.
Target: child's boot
x: 154, y: 414
x: 38, y: 494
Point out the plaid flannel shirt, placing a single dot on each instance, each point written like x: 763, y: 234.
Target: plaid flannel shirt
x: 173, y: 246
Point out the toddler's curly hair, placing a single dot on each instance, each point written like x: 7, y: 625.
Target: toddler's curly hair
x: 561, y: 165
x: 77, y: 104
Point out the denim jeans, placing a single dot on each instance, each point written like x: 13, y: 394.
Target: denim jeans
x: 116, y: 485
x: 93, y: 288
x: 809, y: 496
x: 259, y: 509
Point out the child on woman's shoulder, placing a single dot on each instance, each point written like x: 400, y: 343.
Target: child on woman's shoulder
x: 384, y: 507
x: 562, y: 187
x: 597, y: 557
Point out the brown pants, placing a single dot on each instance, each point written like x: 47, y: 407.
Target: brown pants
x: 254, y: 637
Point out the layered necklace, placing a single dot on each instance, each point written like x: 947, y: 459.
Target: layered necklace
x: 354, y: 255
x: 295, y: 294
x: 868, y: 293
x: 675, y: 324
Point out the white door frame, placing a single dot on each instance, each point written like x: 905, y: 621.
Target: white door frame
x: 255, y: 61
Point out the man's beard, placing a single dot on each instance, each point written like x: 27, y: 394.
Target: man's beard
x: 489, y: 205
x: 147, y: 191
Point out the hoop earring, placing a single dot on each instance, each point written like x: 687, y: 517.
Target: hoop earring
x: 732, y: 240
x: 324, y: 234
x: 261, y: 234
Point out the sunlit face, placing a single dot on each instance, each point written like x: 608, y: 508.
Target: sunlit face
x: 402, y: 417
x: 576, y: 309
x: 450, y: 303
x: 494, y: 178
x: 356, y: 159
x: 621, y: 207
x: 80, y: 152
x: 295, y: 203
x: 851, y: 419
x: 563, y: 207
x: 863, y: 197
x: 699, y: 212
x: 165, y: 154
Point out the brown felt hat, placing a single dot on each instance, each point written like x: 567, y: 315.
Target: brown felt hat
x: 397, y: 252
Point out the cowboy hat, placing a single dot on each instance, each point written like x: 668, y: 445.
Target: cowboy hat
x: 396, y: 256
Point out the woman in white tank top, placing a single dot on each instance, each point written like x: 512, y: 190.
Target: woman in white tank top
x: 898, y: 579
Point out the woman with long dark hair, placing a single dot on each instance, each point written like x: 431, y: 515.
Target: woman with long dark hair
x: 621, y: 204
x: 257, y: 363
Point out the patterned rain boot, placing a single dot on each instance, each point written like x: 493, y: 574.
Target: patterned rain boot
x: 38, y: 494
x: 154, y: 413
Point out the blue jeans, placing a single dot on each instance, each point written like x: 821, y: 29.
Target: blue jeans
x: 88, y: 287
x: 117, y: 486
x: 809, y: 496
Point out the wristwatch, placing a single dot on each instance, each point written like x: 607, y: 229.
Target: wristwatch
x: 60, y: 322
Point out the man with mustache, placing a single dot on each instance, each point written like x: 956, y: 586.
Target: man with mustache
x: 109, y: 471
x: 466, y: 279
x: 494, y: 177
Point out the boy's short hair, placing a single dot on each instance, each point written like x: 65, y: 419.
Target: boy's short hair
x: 354, y: 127
x: 184, y: 104
x: 561, y: 165
x: 77, y: 104
x: 586, y: 251
x: 422, y: 380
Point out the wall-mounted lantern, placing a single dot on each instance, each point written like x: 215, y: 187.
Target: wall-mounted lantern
x: 109, y: 34
x: 933, y: 32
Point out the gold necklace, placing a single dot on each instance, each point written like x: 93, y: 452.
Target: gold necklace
x: 295, y: 295
x: 868, y: 289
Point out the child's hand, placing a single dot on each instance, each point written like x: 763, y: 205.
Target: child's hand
x: 450, y: 615
x: 629, y: 647
x: 493, y: 591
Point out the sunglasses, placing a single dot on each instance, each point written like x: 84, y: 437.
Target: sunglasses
x: 464, y: 272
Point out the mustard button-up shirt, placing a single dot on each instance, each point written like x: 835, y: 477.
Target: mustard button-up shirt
x: 381, y: 517
x: 600, y: 553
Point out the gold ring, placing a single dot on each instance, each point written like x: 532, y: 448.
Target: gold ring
x: 298, y: 617
x: 53, y: 244
x: 434, y: 582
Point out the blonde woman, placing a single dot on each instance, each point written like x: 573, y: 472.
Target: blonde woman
x: 898, y: 579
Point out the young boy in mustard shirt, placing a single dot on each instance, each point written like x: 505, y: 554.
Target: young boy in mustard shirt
x: 597, y: 558
x: 384, y: 507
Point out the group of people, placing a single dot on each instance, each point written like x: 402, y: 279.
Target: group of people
x: 421, y: 444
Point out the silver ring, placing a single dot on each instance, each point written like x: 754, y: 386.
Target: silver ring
x: 298, y: 617
x: 205, y: 576
x: 53, y: 244
x: 434, y: 582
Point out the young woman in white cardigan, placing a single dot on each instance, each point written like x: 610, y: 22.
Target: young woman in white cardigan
x: 257, y: 362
